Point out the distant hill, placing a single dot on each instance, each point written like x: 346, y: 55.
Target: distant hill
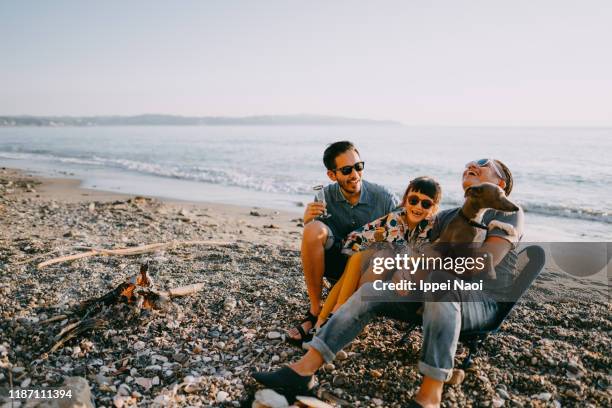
x: 172, y: 120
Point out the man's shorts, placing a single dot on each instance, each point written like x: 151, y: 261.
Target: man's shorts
x: 335, y: 260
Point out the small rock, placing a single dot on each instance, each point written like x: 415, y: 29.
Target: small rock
x: 376, y: 373
x: 182, y: 357
x: 221, y: 396
x: 255, y: 213
x: 76, y: 351
x: 119, y: 401
x: 341, y: 355
x: 503, y: 393
x: 543, y: 396
x: 497, y: 402
x: 87, y: 346
x: 314, y: 402
x: 329, y: 367
x: 145, y: 383
x: 275, y: 358
x: 124, y: 389
x: 377, y: 401
x: 153, y: 367
x: 139, y: 345
x: 339, y: 380
x: 81, y: 394
x: 274, y: 335
x: 271, y: 399
x: 191, y: 388
x: 229, y: 304
x: 102, y: 380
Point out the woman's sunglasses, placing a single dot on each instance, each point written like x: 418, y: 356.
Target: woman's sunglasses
x: 346, y: 170
x: 485, y: 163
x: 414, y: 200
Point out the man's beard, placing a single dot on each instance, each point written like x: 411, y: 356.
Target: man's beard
x: 350, y: 188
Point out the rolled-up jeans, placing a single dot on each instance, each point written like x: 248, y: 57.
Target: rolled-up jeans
x: 442, y: 323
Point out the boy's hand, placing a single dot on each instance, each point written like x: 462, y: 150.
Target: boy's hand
x: 312, y: 211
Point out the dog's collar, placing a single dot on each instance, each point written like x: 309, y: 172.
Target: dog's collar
x: 472, y: 222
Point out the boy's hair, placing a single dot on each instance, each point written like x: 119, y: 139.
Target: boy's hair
x: 424, y: 185
x: 507, y: 177
x: 334, y: 150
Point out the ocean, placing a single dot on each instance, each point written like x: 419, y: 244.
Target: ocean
x: 563, y: 176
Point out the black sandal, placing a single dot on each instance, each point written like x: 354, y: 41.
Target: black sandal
x: 304, y: 336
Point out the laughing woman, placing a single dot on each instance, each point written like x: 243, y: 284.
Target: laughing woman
x: 409, y: 224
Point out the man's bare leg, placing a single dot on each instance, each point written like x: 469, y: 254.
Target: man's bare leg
x: 430, y: 393
x: 313, y: 264
x: 309, y: 363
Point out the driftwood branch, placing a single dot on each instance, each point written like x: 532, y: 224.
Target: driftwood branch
x: 25, y: 261
x: 127, y: 251
x: 186, y: 290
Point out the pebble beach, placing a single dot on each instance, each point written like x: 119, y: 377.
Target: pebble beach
x: 200, y: 349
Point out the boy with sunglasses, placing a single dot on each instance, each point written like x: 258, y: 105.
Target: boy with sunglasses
x: 351, y: 202
x: 442, y: 321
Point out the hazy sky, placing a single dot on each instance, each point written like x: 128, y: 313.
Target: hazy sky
x: 420, y: 62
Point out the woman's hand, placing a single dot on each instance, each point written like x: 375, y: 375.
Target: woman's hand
x: 312, y: 211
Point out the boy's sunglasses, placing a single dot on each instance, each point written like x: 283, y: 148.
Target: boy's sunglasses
x: 485, y: 163
x: 414, y: 200
x: 346, y: 170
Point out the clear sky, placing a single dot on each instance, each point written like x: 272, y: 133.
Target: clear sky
x: 519, y: 62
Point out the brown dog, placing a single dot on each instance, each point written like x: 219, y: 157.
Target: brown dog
x: 463, y: 228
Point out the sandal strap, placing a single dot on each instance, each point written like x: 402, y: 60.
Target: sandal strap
x: 310, y: 318
x: 301, y: 331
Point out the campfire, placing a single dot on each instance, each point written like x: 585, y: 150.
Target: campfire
x: 138, y: 292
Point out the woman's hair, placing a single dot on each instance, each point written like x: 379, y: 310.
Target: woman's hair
x: 424, y: 185
x: 507, y: 177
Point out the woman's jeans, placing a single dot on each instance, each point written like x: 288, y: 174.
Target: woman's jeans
x: 442, y: 322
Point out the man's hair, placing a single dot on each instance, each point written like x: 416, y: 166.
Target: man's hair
x: 424, y: 185
x: 334, y: 150
x: 507, y: 177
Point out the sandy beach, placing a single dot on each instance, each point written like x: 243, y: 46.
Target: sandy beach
x: 201, y: 349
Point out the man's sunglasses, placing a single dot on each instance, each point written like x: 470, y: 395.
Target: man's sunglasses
x: 346, y: 170
x: 485, y: 163
x: 414, y: 200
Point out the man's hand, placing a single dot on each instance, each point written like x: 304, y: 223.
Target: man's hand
x: 312, y: 211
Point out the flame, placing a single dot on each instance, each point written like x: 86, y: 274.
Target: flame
x: 143, y: 280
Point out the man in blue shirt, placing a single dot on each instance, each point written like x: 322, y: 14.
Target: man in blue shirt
x: 351, y: 202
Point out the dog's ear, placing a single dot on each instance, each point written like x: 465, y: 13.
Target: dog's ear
x: 473, y: 191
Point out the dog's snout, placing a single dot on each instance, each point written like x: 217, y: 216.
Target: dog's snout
x: 509, y: 206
